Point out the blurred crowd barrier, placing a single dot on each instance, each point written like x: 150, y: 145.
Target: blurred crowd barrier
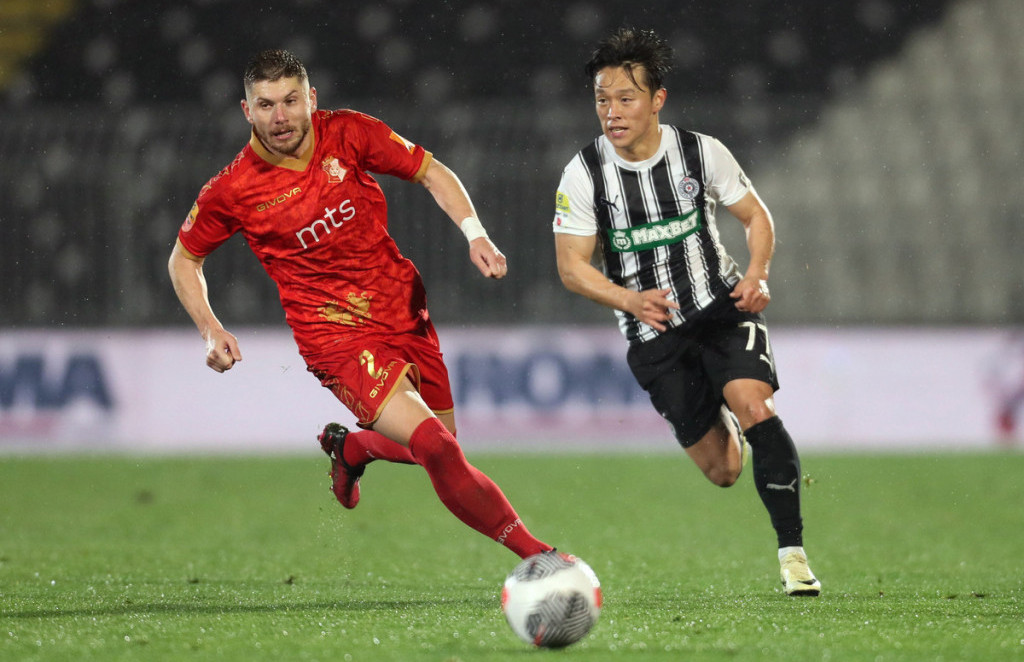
x: 522, y: 388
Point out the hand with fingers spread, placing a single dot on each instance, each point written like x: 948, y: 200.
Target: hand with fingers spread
x: 653, y: 307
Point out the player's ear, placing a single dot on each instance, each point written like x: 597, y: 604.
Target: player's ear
x: 245, y: 110
x: 659, y: 99
x: 312, y: 99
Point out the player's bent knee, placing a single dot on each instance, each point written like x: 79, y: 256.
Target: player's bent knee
x: 433, y: 441
x: 754, y: 413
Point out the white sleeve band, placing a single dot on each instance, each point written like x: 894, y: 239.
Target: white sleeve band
x: 472, y: 228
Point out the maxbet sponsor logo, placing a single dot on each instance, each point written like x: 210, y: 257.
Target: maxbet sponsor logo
x: 284, y: 197
x: 658, y: 233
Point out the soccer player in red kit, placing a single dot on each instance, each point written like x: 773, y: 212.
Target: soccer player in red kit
x: 301, y: 194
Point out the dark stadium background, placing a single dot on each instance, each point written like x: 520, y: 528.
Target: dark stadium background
x: 883, y: 135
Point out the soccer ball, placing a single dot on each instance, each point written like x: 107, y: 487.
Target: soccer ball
x: 551, y: 599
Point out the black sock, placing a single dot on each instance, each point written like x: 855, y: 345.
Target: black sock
x: 777, y: 478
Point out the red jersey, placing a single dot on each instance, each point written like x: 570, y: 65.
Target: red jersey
x: 318, y: 224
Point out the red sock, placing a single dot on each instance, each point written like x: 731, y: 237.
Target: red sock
x: 365, y: 446
x: 468, y: 492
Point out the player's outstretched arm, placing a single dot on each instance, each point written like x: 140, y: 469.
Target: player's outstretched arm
x: 453, y: 199
x: 186, y: 271
x: 573, y: 254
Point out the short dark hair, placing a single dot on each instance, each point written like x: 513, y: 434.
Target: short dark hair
x: 629, y: 48
x: 272, y: 64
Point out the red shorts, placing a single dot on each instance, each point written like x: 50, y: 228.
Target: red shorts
x: 365, y: 371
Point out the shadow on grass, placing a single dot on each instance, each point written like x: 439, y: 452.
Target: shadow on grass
x: 131, y: 609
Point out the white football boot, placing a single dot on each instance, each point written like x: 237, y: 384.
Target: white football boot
x: 797, y: 578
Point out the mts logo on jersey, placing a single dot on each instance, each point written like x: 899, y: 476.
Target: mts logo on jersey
x: 652, y: 235
x: 321, y: 227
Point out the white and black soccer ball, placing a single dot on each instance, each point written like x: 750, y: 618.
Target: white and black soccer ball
x: 551, y: 599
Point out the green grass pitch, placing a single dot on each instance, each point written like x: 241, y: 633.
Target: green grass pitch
x: 138, y: 558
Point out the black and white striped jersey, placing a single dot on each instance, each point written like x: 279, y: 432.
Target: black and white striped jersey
x: 655, y: 219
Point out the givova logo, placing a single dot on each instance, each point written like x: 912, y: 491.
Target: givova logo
x: 658, y: 233
x: 276, y: 200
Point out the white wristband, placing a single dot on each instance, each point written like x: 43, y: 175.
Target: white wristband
x: 472, y: 228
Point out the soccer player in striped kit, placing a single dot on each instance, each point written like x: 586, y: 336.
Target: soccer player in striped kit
x: 301, y: 194
x: 643, y: 198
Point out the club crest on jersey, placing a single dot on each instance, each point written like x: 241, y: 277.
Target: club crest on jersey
x: 689, y: 189
x: 335, y: 173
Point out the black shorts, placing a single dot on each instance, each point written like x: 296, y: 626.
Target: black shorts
x: 684, y: 370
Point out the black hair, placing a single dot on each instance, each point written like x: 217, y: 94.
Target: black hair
x: 272, y: 64
x: 630, y: 48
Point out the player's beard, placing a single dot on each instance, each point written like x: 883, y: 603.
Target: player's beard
x: 287, y: 148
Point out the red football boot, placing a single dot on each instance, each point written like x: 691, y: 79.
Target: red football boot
x: 344, y: 477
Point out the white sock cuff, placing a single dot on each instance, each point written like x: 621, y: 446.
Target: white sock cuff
x: 786, y: 550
